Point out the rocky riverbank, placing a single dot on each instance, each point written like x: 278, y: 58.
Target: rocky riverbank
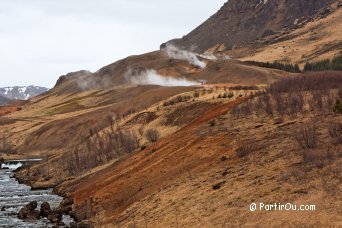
x: 19, y: 203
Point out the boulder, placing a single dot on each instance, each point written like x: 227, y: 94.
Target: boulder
x: 66, y: 205
x: 29, y: 212
x: 33, y: 215
x: 23, y: 213
x: 55, y: 216
x: 31, y: 206
x: 2, y: 161
x: 45, y: 209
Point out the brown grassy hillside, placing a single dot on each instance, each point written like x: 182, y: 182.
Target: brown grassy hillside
x: 144, y: 155
x: 241, y: 151
x: 83, y: 98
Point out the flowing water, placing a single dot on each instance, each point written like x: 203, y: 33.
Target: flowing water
x: 13, y: 196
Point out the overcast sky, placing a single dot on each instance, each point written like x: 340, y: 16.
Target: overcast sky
x: 41, y: 40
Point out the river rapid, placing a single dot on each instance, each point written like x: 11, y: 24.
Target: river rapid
x: 13, y: 196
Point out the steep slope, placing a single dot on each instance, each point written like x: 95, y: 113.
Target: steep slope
x: 239, y: 22
x: 22, y: 92
x: 219, y: 148
x: 195, y: 177
x: 317, y: 40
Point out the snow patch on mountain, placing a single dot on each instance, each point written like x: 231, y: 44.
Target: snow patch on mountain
x: 22, y: 92
x: 262, y: 2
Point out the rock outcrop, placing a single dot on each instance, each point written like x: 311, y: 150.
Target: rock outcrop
x: 241, y: 21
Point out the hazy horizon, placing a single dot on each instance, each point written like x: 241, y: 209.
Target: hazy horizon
x: 42, y: 40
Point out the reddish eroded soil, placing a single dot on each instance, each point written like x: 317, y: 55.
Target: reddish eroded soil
x: 115, y: 188
x: 12, y: 107
x: 7, y: 110
x: 194, y: 178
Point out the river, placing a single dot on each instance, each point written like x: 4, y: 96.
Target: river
x: 13, y: 196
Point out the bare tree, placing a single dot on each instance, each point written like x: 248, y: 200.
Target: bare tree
x: 307, y: 136
x: 335, y: 131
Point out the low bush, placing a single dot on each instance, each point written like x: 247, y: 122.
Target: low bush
x: 152, y: 135
x: 316, y: 157
x: 213, y: 123
x: 245, y: 149
x: 230, y: 95
x: 244, y: 87
x: 196, y: 94
x: 178, y: 99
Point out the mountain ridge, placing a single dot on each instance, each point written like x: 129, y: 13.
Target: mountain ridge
x: 239, y: 22
x: 3, y: 100
x: 22, y: 92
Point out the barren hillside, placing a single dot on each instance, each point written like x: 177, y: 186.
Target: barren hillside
x: 239, y: 22
x: 174, y: 138
x: 319, y: 39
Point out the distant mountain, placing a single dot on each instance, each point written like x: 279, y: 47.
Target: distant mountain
x: 3, y: 100
x: 239, y: 22
x: 21, y: 92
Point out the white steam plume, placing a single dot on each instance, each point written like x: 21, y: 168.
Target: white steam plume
x: 151, y: 77
x: 176, y: 53
x: 213, y: 57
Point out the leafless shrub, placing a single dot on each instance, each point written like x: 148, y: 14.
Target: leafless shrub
x: 294, y: 174
x: 176, y: 100
x: 246, y: 148
x: 295, y: 103
x: 210, y: 91
x: 196, y: 94
x: 317, y: 102
x: 265, y: 102
x: 329, y: 101
x: 141, y: 131
x: 316, y: 157
x: 337, y: 107
x: 308, y: 82
x: 213, y: 122
x: 307, y: 136
x: 244, y: 87
x: 203, y: 92
x: 100, y: 145
x: 218, y: 185
x: 152, y: 135
x: 335, y: 132
x: 130, y: 111
x: 291, y: 95
x: 339, y: 93
x: 280, y: 103
x: 129, y: 142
